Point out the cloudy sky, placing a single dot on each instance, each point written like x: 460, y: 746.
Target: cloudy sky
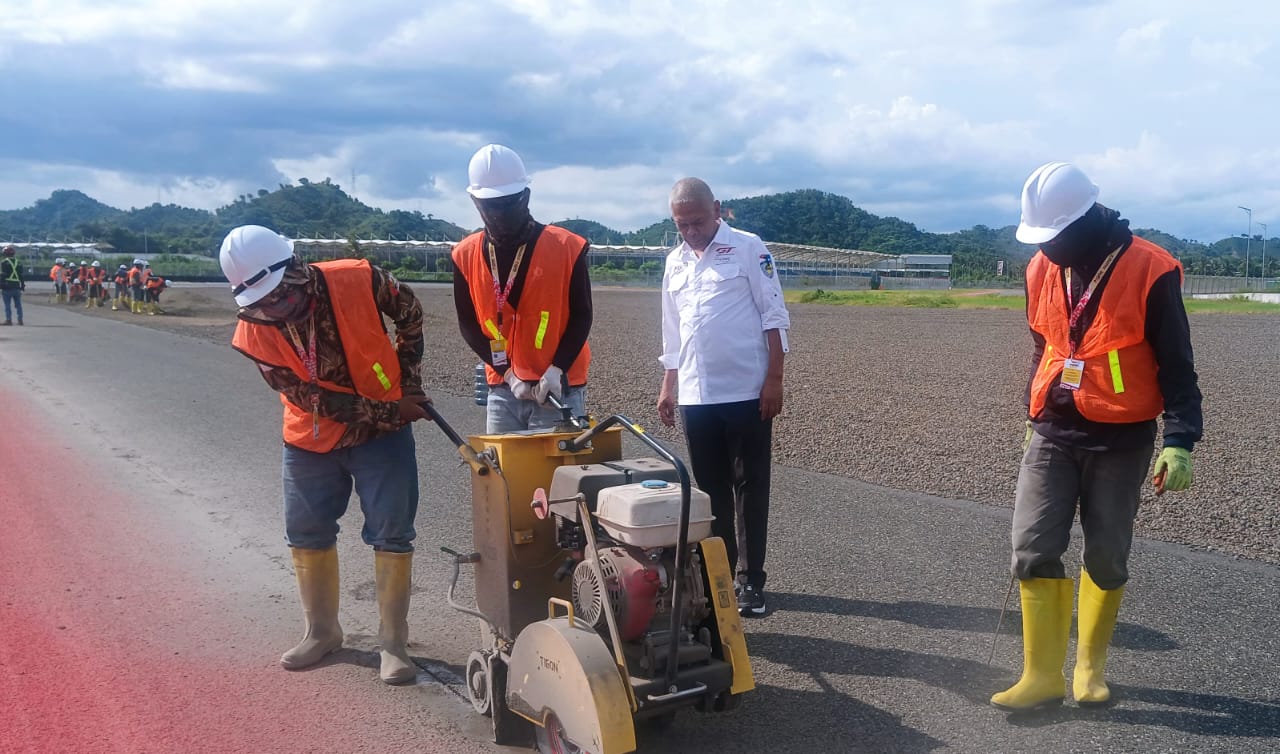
x: 932, y: 112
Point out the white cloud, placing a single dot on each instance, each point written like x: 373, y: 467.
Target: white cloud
x: 192, y: 74
x: 934, y: 113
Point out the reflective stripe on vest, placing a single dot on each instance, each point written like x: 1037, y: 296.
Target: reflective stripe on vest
x: 12, y: 277
x: 532, y: 331
x: 1119, y: 381
x: 370, y: 358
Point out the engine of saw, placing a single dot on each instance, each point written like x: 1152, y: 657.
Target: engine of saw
x: 604, y: 596
x: 634, y: 569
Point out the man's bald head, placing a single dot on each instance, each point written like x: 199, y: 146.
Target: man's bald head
x: 695, y: 211
x: 691, y: 191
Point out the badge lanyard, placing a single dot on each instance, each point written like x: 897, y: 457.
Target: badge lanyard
x: 500, y: 295
x: 308, y: 357
x: 1078, y: 309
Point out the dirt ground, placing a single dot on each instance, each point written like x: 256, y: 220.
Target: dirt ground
x: 915, y: 399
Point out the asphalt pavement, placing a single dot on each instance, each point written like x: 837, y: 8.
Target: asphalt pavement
x: 883, y: 601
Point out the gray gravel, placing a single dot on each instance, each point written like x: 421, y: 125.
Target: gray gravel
x: 925, y: 400
x: 930, y: 400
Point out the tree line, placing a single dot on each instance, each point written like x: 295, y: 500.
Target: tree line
x: 323, y: 210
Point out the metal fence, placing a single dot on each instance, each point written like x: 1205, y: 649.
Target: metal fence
x: 1202, y: 284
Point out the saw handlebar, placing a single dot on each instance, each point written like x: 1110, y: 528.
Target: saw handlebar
x: 465, y: 450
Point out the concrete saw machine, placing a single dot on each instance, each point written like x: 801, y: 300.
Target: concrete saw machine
x: 604, y: 601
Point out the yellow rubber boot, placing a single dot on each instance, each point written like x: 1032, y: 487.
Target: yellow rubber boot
x: 115, y: 304
x: 1046, y: 627
x: 137, y: 307
x: 1097, y: 610
x: 151, y: 309
x: 393, y: 575
x: 317, y: 572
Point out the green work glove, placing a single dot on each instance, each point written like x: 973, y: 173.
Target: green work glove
x: 1173, y: 470
x: 1026, y: 439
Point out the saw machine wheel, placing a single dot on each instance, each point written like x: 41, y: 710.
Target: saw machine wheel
x: 479, y: 687
x: 551, y: 739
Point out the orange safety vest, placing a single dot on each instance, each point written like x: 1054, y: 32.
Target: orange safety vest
x: 533, y: 331
x: 55, y: 273
x: 1119, y: 381
x: 371, y: 359
x: 135, y: 277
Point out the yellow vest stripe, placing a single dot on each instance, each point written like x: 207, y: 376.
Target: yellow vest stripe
x: 1117, y: 380
x: 542, y: 330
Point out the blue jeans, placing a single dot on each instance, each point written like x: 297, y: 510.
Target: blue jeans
x: 317, y: 487
x: 12, y: 297
x: 505, y: 413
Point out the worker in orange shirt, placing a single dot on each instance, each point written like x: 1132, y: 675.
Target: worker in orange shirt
x: 135, y: 286
x: 58, y: 274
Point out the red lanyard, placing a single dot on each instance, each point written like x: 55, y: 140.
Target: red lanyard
x: 308, y: 357
x: 501, y: 295
x: 1078, y: 309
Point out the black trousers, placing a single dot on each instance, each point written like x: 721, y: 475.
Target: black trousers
x: 730, y: 450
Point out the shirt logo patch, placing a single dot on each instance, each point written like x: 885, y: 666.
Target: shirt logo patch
x: 766, y: 265
x: 724, y: 251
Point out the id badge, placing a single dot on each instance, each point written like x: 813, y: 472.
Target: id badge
x: 1072, y: 373
x: 498, y: 352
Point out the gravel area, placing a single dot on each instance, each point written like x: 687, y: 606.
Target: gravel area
x: 914, y: 399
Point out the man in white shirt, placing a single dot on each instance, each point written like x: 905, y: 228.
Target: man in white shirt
x: 724, y: 334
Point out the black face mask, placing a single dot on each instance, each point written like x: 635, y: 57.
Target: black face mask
x: 1082, y: 243
x: 286, y: 304
x: 505, y: 217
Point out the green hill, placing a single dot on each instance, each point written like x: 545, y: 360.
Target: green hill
x: 323, y: 209
x: 305, y: 210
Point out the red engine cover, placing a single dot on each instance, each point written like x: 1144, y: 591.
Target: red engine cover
x: 633, y: 589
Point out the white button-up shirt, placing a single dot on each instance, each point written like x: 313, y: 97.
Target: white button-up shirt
x: 715, y: 311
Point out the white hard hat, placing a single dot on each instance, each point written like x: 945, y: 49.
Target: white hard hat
x: 1056, y: 195
x: 253, y: 259
x: 137, y: 261
x: 496, y: 171
x: 84, y: 263
x: 96, y: 263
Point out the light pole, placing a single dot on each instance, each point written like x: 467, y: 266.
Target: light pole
x: 1264, y: 255
x: 1248, y: 238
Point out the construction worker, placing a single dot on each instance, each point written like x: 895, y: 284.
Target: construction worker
x: 58, y: 274
x: 93, y: 286
x: 724, y: 338
x: 349, y: 397
x: 79, y: 283
x: 154, y: 285
x: 136, y: 289
x: 11, y: 284
x: 121, y: 280
x: 531, y: 338
x: 1112, y: 353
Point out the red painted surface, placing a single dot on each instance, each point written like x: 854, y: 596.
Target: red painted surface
x: 112, y: 639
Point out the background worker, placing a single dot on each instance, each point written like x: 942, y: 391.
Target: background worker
x: 135, y: 287
x: 93, y: 285
x: 532, y: 338
x: 316, y: 333
x: 78, y: 283
x: 121, y: 280
x: 724, y: 336
x: 154, y: 285
x: 58, y: 274
x: 11, y: 284
x: 1112, y: 353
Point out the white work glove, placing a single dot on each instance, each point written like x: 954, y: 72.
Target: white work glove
x: 519, y: 388
x: 550, y: 384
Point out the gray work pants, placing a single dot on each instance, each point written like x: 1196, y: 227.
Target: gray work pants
x: 1107, y: 486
